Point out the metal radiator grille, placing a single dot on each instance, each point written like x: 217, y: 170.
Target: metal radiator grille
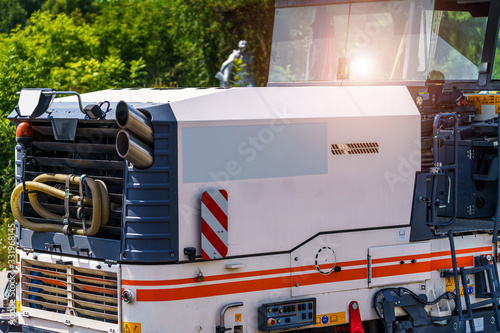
x: 80, y: 292
x: 92, y: 153
x: 355, y: 148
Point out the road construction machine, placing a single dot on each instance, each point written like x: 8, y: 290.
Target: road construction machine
x: 357, y: 192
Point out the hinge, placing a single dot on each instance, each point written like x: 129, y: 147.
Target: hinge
x: 110, y: 262
x: 369, y: 265
x: 470, y: 210
x: 470, y: 154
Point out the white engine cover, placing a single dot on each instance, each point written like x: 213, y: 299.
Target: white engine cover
x: 272, y: 150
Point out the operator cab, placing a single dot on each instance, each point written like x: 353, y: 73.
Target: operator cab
x: 385, y: 42
x: 444, y: 52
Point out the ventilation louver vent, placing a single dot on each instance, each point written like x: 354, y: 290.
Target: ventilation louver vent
x: 92, y: 153
x: 355, y: 148
x: 80, y: 292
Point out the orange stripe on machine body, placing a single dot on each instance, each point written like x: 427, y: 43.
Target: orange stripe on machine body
x: 343, y: 275
x: 163, y: 295
x: 330, y: 266
x: 206, y: 278
x: 401, y: 269
x: 447, y: 264
x: 237, y: 275
x: 461, y: 251
x: 267, y: 283
x: 401, y: 258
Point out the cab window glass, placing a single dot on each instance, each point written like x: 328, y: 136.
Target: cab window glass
x: 496, y: 65
x: 389, y: 40
x: 457, y: 44
x: 307, y: 42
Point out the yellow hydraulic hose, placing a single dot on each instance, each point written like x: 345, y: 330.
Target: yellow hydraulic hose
x: 59, y: 178
x: 99, y: 202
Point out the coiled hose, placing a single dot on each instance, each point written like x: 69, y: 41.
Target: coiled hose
x: 99, y: 203
x: 378, y: 305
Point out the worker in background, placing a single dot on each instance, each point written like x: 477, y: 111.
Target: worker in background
x: 236, y: 70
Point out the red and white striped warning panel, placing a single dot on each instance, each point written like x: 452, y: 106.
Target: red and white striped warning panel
x: 214, y: 224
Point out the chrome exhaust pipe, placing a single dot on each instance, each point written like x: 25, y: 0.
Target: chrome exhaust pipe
x: 134, y: 121
x: 133, y: 150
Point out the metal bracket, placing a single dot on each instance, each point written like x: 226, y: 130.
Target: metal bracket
x: 369, y: 264
x: 190, y: 252
x: 221, y: 328
x: 470, y: 210
x: 80, y: 249
x: 66, y: 93
x: 470, y: 154
x: 355, y: 323
x: 51, y: 247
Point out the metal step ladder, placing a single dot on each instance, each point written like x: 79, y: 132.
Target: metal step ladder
x: 487, y: 283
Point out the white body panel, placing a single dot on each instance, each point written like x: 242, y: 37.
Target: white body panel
x: 416, y: 257
x: 354, y: 205
x: 270, y: 149
x: 275, y: 210
x: 168, y: 298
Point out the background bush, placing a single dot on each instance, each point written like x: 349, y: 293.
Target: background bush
x: 84, y: 46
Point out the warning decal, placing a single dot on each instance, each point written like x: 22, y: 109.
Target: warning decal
x: 330, y: 319
x: 214, y: 224
x: 450, y: 286
x: 479, y: 101
x: 131, y: 327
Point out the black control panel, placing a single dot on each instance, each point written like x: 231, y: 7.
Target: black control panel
x: 288, y: 314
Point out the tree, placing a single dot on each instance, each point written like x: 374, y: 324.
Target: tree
x: 56, y: 52
x: 92, y: 45
x: 206, y: 31
x: 133, y: 30
x: 16, y: 13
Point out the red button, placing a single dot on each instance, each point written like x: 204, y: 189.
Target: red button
x: 271, y: 321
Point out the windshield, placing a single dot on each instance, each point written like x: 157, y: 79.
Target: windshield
x: 375, y: 41
x: 457, y: 44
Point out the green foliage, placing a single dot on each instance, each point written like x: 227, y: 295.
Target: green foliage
x: 240, y: 73
x: 137, y: 31
x: 15, y: 14
x: 70, y: 6
x: 460, y: 24
x: 280, y: 74
x: 496, y: 65
x: 7, y: 175
x: 181, y: 42
x: 84, y: 45
x: 57, y: 51
x: 206, y: 31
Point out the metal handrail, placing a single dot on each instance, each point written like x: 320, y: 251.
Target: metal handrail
x: 437, y: 170
x: 66, y: 93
